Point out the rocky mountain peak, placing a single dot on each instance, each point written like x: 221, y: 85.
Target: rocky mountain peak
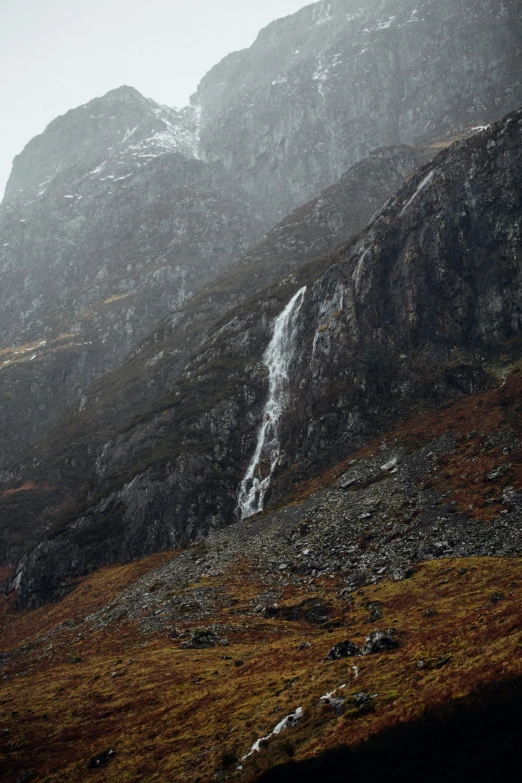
x: 120, y: 130
x: 280, y: 46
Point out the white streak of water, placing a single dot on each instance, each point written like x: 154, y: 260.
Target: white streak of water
x: 425, y: 182
x: 286, y: 723
x: 278, y: 357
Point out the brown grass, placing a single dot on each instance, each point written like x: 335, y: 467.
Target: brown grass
x: 171, y: 714
x: 27, y: 487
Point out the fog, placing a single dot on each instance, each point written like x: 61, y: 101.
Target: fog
x: 55, y: 55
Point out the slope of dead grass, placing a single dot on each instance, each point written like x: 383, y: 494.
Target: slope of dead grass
x: 176, y: 714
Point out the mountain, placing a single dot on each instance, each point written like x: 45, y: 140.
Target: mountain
x: 60, y: 461
x: 122, y: 209
x: 109, y: 223
x: 320, y: 89
x: 260, y: 420
x: 175, y: 667
x: 417, y: 310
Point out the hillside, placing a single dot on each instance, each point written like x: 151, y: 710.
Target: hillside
x: 181, y: 662
x: 122, y: 209
x: 109, y: 223
x: 320, y: 89
x: 380, y: 332
x: 261, y: 418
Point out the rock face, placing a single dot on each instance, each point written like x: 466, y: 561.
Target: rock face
x: 120, y: 132
x: 342, y: 77
x: 109, y: 223
x: 68, y: 453
x: 412, y: 307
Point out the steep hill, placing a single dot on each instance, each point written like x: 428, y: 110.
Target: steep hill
x: 420, y: 308
x: 261, y: 486
x: 174, y: 667
x: 63, y: 459
x: 123, y: 209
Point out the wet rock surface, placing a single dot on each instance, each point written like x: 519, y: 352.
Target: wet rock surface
x: 410, y: 525
x: 69, y: 452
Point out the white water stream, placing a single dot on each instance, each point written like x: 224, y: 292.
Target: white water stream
x: 278, y: 356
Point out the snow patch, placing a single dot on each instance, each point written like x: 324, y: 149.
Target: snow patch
x: 155, y: 359
x: 328, y: 696
x: 128, y: 134
x: 98, y: 169
x: 385, y: 25
x: 324, y: 14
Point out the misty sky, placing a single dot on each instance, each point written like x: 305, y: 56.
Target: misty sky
x: 57, y: 54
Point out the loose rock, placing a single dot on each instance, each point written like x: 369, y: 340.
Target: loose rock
x: 345, y: 649
x: 101, y: 759
x: 379, y: 641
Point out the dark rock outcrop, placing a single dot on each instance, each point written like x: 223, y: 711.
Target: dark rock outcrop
x: 201, y: 639
x: 379, y: 641
x: 343, y: 650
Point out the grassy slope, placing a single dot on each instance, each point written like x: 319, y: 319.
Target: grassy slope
x: 174, y: 714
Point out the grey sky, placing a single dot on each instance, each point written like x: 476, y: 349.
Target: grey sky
x: 57, y: 54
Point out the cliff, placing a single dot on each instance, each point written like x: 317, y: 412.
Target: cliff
x: 320, y: 89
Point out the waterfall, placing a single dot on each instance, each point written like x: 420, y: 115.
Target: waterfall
x: 278, y: 356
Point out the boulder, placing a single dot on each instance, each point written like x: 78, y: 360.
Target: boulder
x: 379, y: 641
x: 345, y: 649
x: 200, y: 640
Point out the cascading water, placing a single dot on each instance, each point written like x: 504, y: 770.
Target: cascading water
x: 278, y: 356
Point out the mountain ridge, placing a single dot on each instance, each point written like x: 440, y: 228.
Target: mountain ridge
x: 356, y: 79
x: 261, y: 485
